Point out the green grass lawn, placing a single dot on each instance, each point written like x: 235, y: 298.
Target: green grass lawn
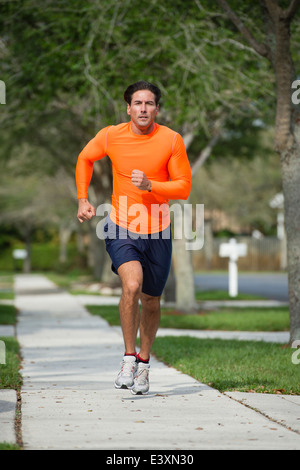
x: 6, y: 286
x: 10, y: 377
x: 232, y: 365
x: 246, y: 319
x: 223, y: 295
x: 223, y: 364
x: 235, y: 319
x: 226, y: 364
x: 8, y: 314
x: 9, y: 372
x: 6, y: 295
x: 66, y: 280
x: 7, y: 446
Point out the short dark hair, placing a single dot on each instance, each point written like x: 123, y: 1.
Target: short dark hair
x: 141, y: 85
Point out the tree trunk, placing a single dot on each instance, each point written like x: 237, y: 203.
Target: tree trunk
x: 183, y: 261
x: 108, y: 276
x: 209, y: 244
x: 287, y: 131
x: 27, y: 260
x: 287, y: 144
x: 64, y: 236
x: 97, y: 250
x: 290, y: 161
x: 185, y: 285
x: 169, y: 294
x: 184, y: 272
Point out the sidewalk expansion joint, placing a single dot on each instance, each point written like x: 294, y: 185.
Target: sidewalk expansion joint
x: 262, y: 413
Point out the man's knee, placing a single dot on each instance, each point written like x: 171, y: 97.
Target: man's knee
x: 150, y: 303
x: 132, y: 287
x: 131, y: 275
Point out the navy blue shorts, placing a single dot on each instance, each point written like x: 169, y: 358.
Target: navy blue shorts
x: 153, y: 251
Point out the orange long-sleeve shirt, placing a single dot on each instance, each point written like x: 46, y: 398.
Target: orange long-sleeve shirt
x: 161, y: 155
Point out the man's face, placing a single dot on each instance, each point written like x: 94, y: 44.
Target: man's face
x: 142, y: 109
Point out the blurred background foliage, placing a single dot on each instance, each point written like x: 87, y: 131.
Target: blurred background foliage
x: 66, y: 65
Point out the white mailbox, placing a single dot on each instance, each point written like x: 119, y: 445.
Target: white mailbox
x: 19, y: 253
x: 233, y: 251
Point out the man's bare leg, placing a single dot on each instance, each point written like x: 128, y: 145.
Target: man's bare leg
x: 149, y: 323
x: 131, y: 275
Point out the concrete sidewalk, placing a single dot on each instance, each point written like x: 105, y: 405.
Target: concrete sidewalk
x: 70, y: 360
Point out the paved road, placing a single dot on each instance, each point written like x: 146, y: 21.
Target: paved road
x: 270, y: 285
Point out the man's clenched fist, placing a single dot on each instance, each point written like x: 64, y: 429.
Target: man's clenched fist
x: 140, y: 180
x: 85, y: 210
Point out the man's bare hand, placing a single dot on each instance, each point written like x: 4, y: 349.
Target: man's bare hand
x: 85, y: 210
x: 140, y: 180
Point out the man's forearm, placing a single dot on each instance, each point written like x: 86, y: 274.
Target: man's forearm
x: 178, y: 189
x: 84, y: 171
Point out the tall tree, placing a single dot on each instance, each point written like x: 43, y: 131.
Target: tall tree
x: 275, y: 47
x: 65, y: 64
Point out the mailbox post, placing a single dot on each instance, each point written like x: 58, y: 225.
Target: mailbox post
x: 19, y: 253
x: 233, y: 251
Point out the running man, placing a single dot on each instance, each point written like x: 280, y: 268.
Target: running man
x: 150, y: 166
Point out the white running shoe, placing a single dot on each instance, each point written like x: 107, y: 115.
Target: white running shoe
x: 127, y: 373
x: 141, y: 380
